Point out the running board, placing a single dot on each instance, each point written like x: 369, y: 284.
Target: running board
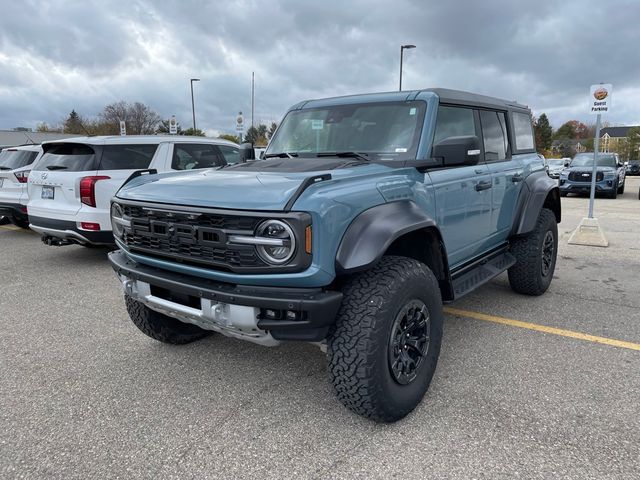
x: 481, y: 273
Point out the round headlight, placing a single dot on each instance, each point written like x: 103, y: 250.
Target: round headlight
x: 116, y: 220
x: 282, y: 245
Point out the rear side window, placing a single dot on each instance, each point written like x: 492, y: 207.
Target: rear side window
x: 127, y: 157
x: 454, y: 122
x: 494, y: 135
x: 68, y: 157
x: 231, y: 154
x: 12, y: 159
x: 189, y: 156
x: 523, y: 131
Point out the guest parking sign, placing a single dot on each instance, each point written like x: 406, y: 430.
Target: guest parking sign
x: 600, y: 98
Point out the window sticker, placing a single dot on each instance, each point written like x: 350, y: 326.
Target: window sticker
x: 412, y: 111
x: 401, y: 150
x: 317, y: 124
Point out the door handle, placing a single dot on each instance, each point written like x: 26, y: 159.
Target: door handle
x: 517, y: 178
x: 479, y: 171
x: 483, y: 185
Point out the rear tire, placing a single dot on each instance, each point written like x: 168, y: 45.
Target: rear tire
x: 536, y: 255
x: 20, y: 223
x: 384, y: 347
x: 160, y: 327
x: 621, y: 188
x: 4, y: 220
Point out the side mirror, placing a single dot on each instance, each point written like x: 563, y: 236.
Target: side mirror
x: 246, y: 152
x: 458, y: 150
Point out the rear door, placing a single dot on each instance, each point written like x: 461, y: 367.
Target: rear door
x: 54, y: 181
x: 14, y: 161
x: 507, y: 173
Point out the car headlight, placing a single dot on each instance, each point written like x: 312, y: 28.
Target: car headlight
x: 564, y: 174
x: 117, y: 220
x: 275, y: 242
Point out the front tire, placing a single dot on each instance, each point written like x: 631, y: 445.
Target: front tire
x: 536, y: 255
x: 160, y: 327
x: 613, y: 193
x: 384, y: 347
x: 621, y: 188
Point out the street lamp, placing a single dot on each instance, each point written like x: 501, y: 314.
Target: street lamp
x: 193, y: 107
x: 402, y: 48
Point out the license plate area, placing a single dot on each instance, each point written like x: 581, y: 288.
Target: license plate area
x: 48, y: 193
x: 176, y: 297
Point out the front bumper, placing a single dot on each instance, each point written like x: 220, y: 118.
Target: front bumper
x: 68, y: 232
x: 14, y: 210
x: 317, y: 308
x: 570, y: 186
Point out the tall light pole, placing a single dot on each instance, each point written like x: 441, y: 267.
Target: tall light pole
x: 402, y: 48
x: 193, y: 105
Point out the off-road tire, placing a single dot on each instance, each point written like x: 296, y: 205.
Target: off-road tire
x: 621, y: 188
x: 160, y: 327
x: 359, y: 343
x: 526, y: 275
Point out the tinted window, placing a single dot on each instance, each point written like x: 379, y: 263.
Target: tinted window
x: 454, y: 122
x: 70, y: 157
x: 189, y: 156
x: 127, y: 157
x: 12, y: 159
x: 231, y: 154
x: 523, y: 131
x: 494, y: 134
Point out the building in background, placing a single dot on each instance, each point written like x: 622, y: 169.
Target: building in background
x: 11, y: 138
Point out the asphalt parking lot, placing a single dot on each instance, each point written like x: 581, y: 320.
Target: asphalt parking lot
x: 83, y: 394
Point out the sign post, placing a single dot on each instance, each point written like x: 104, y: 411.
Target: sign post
x: 173, y: 125
x: 123, y: 128
x: 239, y: 126
x: 589, y: 231
x: 600, y: 102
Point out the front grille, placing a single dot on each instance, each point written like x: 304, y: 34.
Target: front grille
x: 584, y: 176
x: 198, y: 239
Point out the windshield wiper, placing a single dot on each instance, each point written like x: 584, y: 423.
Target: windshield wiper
x: 2, y: 167
x: 56, y: 167
x: 359, y: 155
x: 281, y: 155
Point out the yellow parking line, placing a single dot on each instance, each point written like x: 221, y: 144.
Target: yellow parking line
x: 543, y: 328
x: 10, y: 227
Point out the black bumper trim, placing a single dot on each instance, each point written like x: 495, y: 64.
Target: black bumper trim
x: 320, y: 307
x: 13, y: 210
x: 102, y: 237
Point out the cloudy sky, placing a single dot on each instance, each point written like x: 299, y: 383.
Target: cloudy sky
x: 58, y: 55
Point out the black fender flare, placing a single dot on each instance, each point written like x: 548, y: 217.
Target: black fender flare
x: 537, y: 189
x: 372, y: 232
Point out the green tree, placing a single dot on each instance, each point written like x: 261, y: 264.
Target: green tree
x: 163, y: 127
x: 194, y: 133
x: 231, y: 138
x: 257, y: 135
x: 544, y: 132
x: 74, y: 124
x: 272, y: 130
x: 633, y: 143
x: 567, y: 130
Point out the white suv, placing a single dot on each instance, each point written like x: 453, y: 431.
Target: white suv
x: 15, y: 165
x: 71, y: 186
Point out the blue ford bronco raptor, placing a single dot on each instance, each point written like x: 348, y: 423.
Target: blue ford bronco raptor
x: 365, y: 214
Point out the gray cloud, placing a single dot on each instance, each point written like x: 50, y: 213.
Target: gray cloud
x: 83, y: 55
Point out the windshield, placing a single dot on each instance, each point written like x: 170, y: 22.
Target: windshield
x: 381, y: 131
x: 12, y: 159
x: 586, y: 160
x: 556, y: 163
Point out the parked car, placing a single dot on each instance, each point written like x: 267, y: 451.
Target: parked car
x: 71, y: 186
x: 634, y: 167
x: 365, y: 215
x: 555, y: 166
x: 15, y: 165
x: 610, y: 175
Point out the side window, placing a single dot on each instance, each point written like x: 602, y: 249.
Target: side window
x: 189, y: 156
x: 231, y: 154
x: 127, y: 157
x: 494, y: 134
x: 454, y: 122
x: 523, y: 131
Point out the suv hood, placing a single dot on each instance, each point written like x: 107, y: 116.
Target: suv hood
x: 590, y: 169
x: 233, y: 188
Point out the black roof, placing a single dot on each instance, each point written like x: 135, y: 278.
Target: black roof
x: 466, y: 98
x: 616, y: 131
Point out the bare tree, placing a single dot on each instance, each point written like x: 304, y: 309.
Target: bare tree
x: 140, y: 119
